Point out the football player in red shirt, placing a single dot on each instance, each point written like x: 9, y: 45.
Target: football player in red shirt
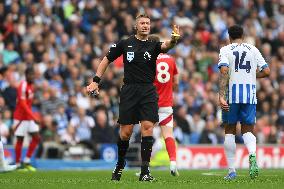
x: 25, y: 120
x: 166, y: 80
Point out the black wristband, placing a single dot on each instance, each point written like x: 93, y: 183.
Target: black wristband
x: 97, y: 79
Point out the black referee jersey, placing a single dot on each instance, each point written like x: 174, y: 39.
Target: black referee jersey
x: 139, y: 58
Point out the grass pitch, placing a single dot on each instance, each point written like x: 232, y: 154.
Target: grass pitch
x: 199, y: 179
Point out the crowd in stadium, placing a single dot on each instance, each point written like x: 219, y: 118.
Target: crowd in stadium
x: 65, y: 41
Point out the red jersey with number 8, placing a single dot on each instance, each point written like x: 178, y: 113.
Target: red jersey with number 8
x: 165, y: 71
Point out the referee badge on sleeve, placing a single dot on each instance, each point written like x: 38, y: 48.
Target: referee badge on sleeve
x: 130, y: 56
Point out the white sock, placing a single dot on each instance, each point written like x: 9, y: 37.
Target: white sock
x: 250, y: 142
x: 230, y: 150
x: 2, y: 159
x: 173, y: 163
x: 27, y: 160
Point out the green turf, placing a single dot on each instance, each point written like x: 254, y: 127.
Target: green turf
x: 201, y: 179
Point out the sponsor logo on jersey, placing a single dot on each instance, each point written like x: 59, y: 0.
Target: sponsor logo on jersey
x: 147, y: 56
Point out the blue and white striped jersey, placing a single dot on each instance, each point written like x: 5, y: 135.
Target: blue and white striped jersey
x: 243, y: 61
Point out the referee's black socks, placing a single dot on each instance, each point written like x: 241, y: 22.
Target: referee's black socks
x: 146, y: 150
x: 122, y: 147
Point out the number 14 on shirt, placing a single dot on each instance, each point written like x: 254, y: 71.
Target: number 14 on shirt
x: 239, y: 63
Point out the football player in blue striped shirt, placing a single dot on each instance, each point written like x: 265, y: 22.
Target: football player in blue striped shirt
x: 240, y: 64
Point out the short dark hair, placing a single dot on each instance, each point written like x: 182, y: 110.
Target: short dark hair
x: 142, y: 16
x: 235, y: 32
x: 3, y: 70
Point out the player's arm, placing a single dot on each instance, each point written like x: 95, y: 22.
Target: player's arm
x: 26, y: 109
x: 175, y: 77
x: 263, y: 73
x: 223, y: 86
x: 102, y: 67
x: 114, y: 52
x: 167, y: 45
x: 224, y: 77
x: 175, y: 82
x: 93, y: 88
x: 262, y: 66
x: 223, y: 81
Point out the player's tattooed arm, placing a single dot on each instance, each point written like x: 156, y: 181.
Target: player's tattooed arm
x: 223, y: 87
x: 223, y: 81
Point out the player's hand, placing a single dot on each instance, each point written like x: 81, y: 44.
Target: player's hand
x: 93, y: 89
x: 175, y: 33
x: 223, y: 103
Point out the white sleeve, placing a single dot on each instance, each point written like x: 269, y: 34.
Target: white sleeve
x: 261, y: 63
x: 223, y: 59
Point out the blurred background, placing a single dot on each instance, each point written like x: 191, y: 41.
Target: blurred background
x: 65, y: 41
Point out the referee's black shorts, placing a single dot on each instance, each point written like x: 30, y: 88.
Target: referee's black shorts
x: 138, y: 102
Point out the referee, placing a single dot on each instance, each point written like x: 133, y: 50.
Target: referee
x: 138, y: 97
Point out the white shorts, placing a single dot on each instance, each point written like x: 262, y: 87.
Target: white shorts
x: 166, y: 116
x: 22, y: 127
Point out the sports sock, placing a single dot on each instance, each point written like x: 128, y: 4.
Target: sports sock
x: 122, y: 147
x: 250, y: 142
x: 230, y: 150
x: 2, y: 158
x: 18, y: 150
x: 32, y: 146
x: 171, y: 148
x: 146, y: 150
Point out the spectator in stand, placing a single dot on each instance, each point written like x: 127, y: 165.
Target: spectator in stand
x: 51, y: 104
x: 61, y: 119
x: 83, y: 125
x: 183, y: 123
x: 102, y: 132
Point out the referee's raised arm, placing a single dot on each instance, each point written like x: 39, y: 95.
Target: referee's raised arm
x: 167, y: 45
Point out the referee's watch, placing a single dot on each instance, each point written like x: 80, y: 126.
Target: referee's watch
x: 97, y: 79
